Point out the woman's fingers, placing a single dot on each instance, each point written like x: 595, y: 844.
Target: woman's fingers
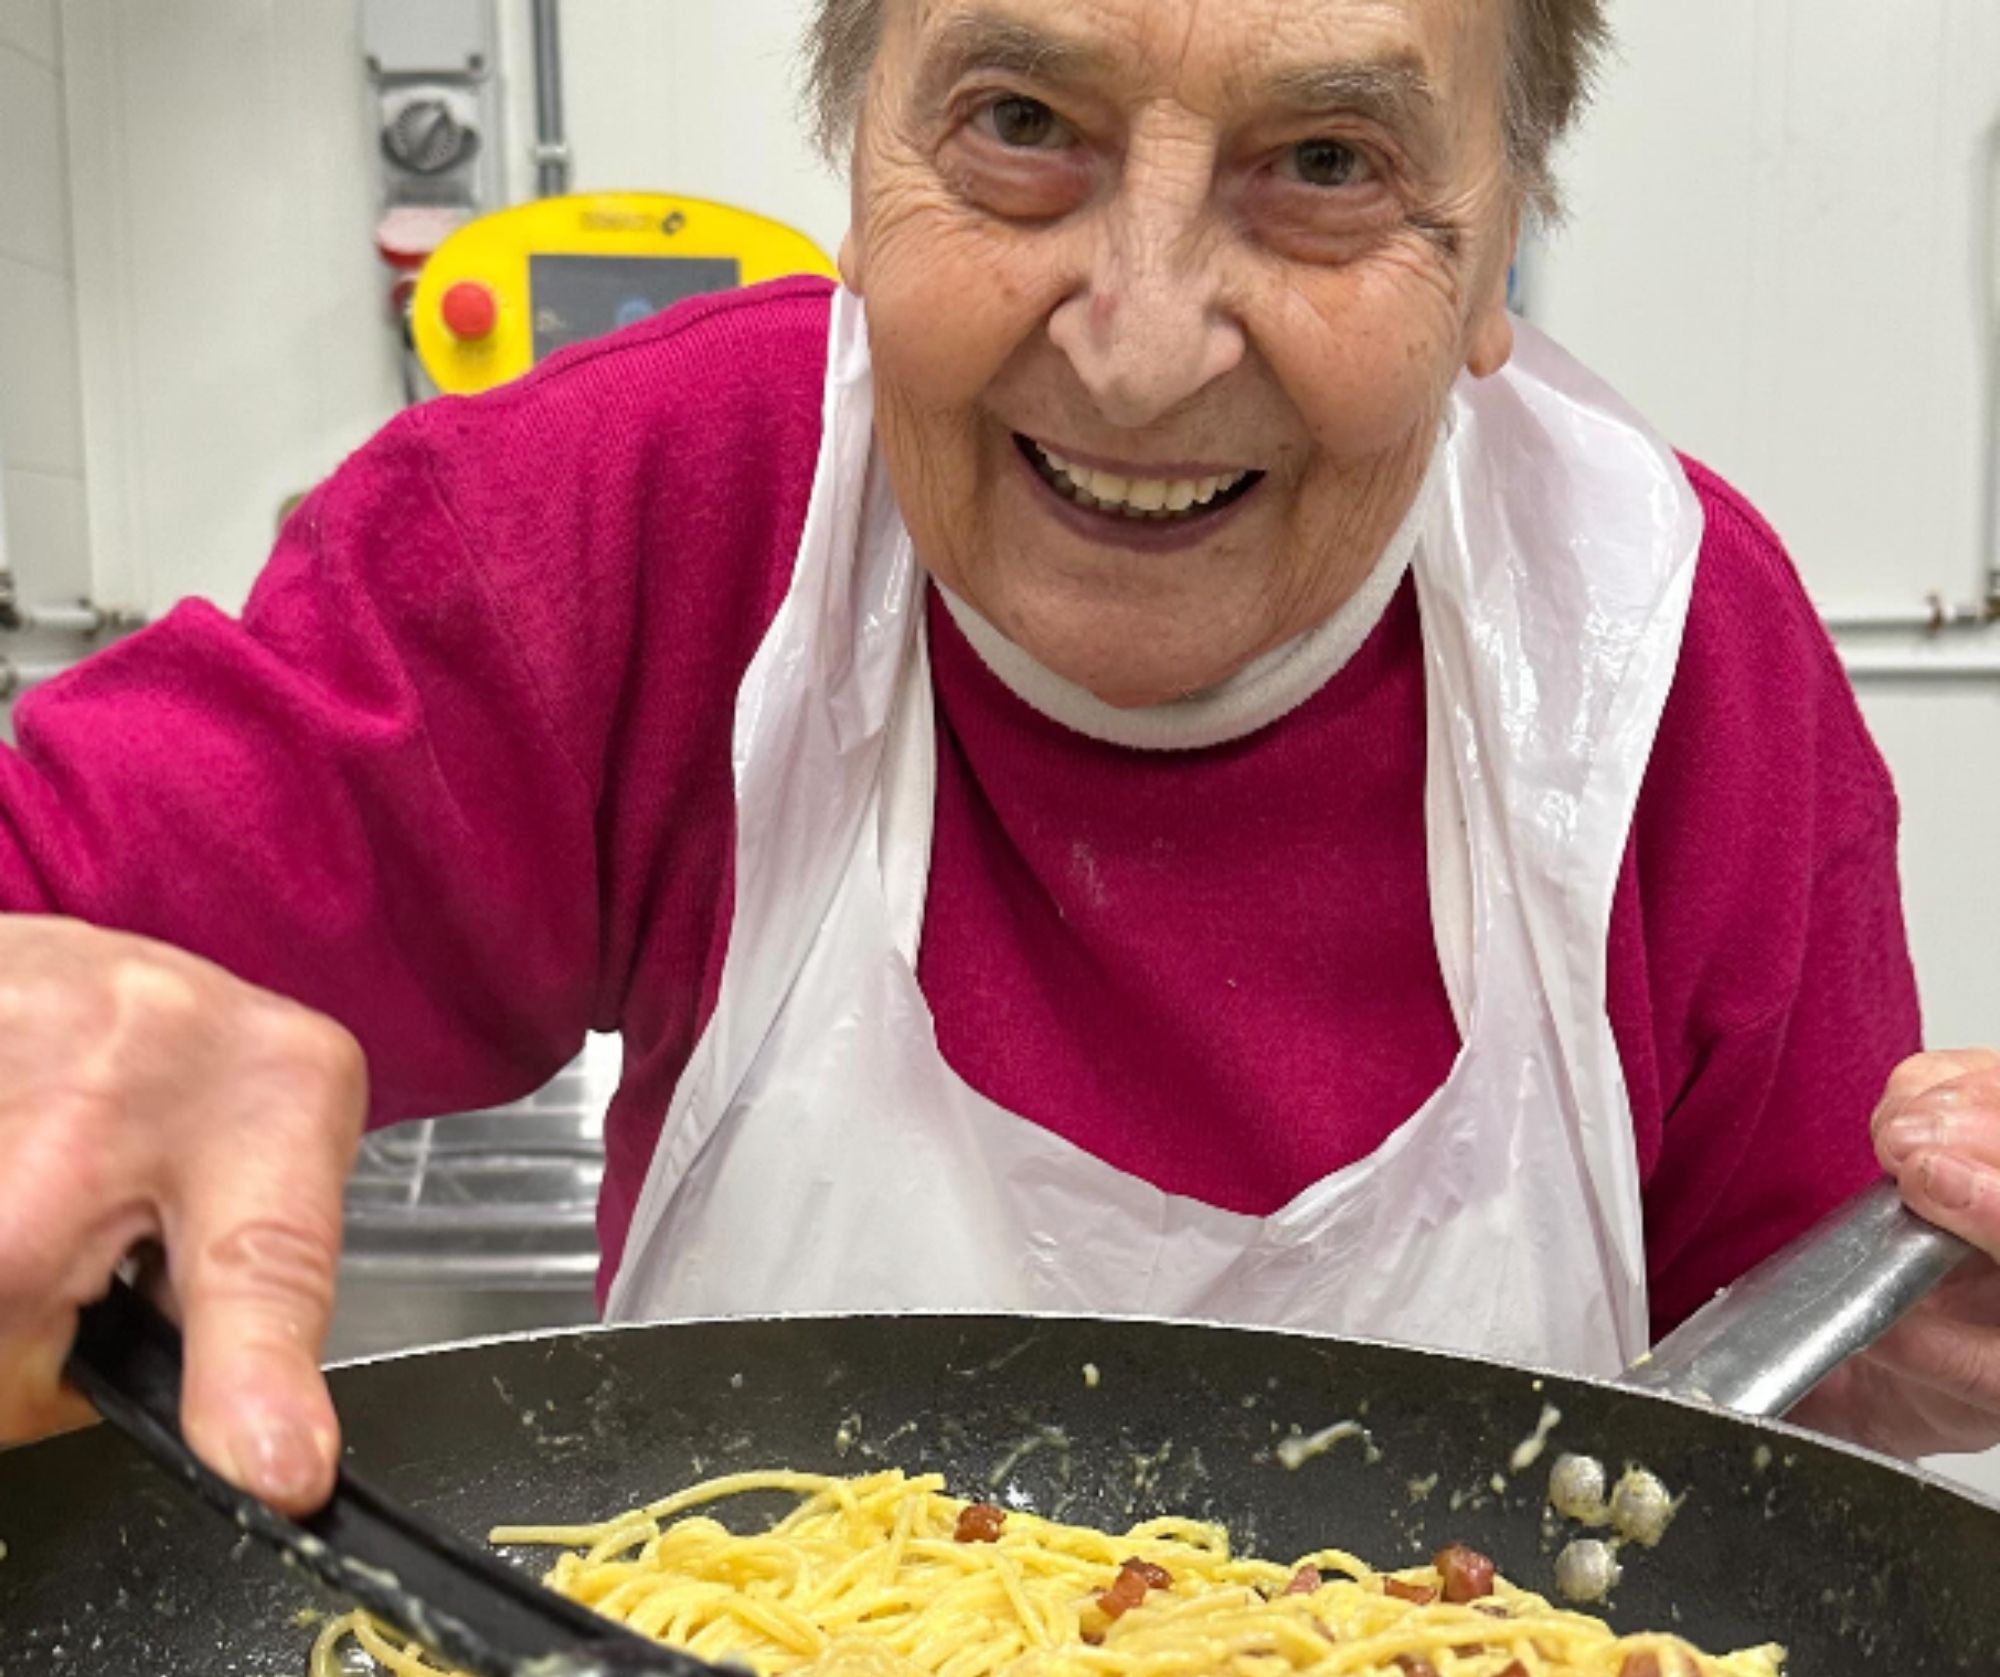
x: 1877, y: 1404
x: 1937, y: 1132
x: 252, y: 1255
x: 34, y: 1402
x: 253, y: 1403
x: 1933, y: 1383
x: 148, y: 1096
x: 1951, y: 1342
x: 1940, y: 1099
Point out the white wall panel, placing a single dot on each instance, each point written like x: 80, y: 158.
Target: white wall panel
x: 238, y: 343
x: 34, y: 210
x: 29, y: 26
x: 1943, y: 745
x: 48, y: 535
x: 38, y: 391
x: 1782, y: 213
x: 44, y: 531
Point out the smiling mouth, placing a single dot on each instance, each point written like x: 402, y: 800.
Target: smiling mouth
x: 1141, y: 500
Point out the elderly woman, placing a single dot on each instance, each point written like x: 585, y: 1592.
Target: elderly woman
x: 1153, y: 752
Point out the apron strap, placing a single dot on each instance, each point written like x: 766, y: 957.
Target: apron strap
x: 909, y: 794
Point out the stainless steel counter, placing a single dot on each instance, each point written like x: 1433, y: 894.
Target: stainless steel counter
x: 478, y: 1224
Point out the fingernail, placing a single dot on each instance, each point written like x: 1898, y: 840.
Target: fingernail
x: 277, y: 1458
x: 1951, y: 1182
x: 1905, y: 1135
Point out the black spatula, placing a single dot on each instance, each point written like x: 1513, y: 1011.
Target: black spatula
x: 460, y: 1601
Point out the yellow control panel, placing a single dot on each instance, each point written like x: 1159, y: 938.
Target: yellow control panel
x: 505, y: 291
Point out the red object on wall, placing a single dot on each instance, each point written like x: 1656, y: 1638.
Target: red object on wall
x: 469, y: 310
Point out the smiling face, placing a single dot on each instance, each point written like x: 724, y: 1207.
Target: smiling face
x: 1166, y: 298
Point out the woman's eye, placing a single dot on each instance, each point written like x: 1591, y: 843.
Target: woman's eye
x: 1025, y: 124
x: 1324, y: 163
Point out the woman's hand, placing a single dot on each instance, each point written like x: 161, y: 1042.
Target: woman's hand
x: 147, y: 1095
x: 1933, y: 1384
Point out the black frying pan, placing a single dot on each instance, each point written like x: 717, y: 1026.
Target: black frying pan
x: 1857, y: 1564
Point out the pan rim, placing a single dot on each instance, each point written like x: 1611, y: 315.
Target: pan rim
x: 1761, y: 1425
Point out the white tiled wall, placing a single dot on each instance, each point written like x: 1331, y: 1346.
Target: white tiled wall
x: 41, y: 447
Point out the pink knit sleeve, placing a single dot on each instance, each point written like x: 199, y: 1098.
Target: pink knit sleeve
x: 1774, y: 993
x: 356, y: 796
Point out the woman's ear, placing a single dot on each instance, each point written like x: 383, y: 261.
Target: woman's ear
x: 1492, y: 344
x: 848, y: 261
x: 1490, y: 341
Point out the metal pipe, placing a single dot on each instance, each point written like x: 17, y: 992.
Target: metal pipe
x: 1968, y: 665
x: 1953, y: 642
x: 16, y: 679
x: 551, y: 142
x: 1936, y: 618
x: 1987, y: 202
x: 80, y: 619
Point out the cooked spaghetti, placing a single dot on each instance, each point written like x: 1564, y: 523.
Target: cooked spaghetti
x: 887, y: 1576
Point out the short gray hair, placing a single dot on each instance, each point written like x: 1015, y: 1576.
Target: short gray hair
x: 1554, y: 48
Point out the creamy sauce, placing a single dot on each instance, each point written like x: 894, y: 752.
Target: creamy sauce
x: 1296, y: 1451
x: 1529, y: 1450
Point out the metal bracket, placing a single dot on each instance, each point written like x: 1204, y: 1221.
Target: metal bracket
x: 1934, y: 617
x: 1974, y: 616
x: 76, y: 617
x: 82, y: 620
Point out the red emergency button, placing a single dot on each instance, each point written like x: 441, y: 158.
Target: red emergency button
x: 469, y: 310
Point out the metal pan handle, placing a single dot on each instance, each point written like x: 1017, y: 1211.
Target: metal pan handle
x: 1764, y: 1343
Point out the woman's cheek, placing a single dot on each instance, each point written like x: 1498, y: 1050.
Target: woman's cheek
x: 1362, y: 398
x: 949, y: 307
x: 1365, y: 361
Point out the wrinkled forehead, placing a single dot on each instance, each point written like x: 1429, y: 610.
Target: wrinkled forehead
x: 1220, y: 57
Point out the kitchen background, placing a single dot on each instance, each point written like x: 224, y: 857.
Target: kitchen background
x: 1784, y: 245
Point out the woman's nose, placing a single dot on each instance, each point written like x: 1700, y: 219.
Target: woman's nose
x: 1147, y: 330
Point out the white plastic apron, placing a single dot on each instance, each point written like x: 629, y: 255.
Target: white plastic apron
x: 819, y: 1154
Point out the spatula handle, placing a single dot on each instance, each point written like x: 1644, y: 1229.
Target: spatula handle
x: 463, y: 1603
x: 1765, y: 1342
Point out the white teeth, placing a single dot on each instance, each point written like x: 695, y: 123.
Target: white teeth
x: 1142, y: 497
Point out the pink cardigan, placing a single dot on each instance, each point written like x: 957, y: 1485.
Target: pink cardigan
x: 460, y: 778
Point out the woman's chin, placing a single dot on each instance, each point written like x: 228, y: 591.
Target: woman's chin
x: 1126, y: 652
x: 1126, y: 678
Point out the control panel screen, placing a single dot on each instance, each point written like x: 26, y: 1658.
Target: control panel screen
x: 579, y: 297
